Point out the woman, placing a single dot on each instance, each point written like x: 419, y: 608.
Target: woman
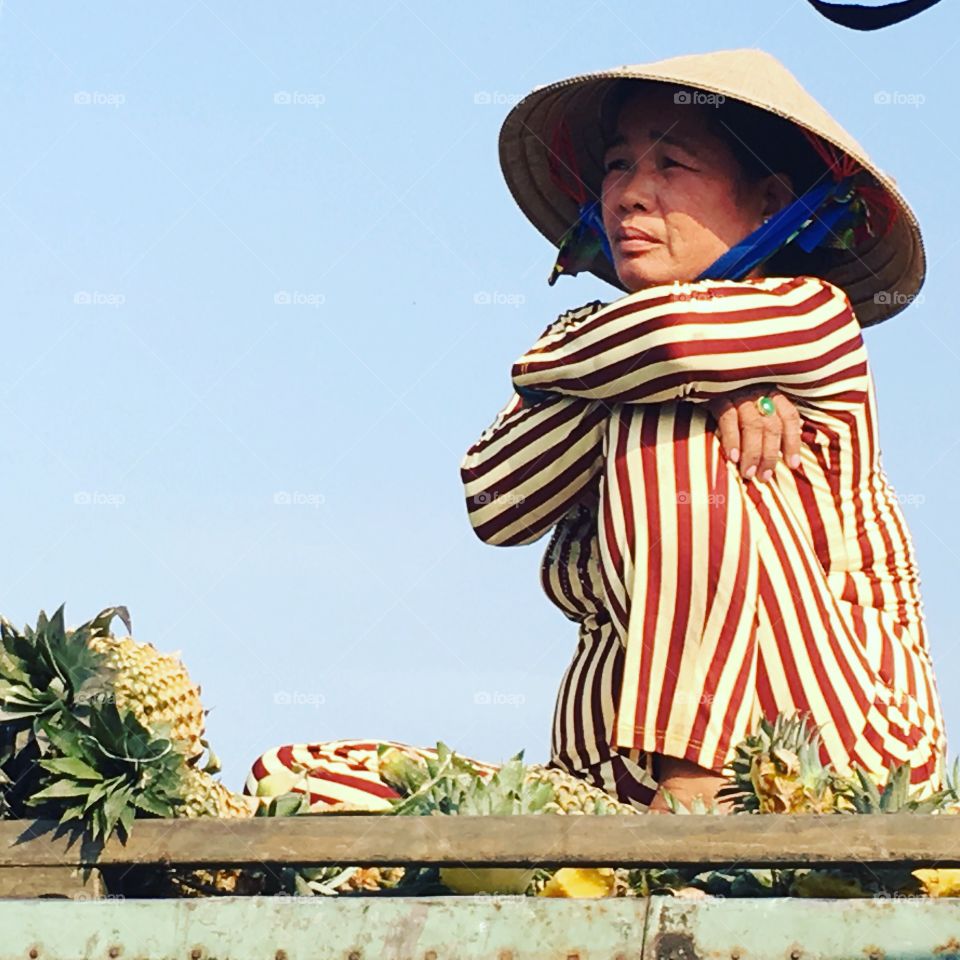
x: 713, y: 583
x: 711, y: 593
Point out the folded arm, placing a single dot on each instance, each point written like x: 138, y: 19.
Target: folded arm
x: 531, y: 466
x: 696, y: 341
x: 534, y: 462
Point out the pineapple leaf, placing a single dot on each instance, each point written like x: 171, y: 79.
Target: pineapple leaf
x: 99, y: 791
x: 151, y: 804
x: 126, y: 818
x: 57, y: 790
x: 71, y: 813
x: 64, y: 739
x: 113, y: 807
x: 286, y: 805
x: 73, y: 766
x: 212, y: 764
x: 100, y: 624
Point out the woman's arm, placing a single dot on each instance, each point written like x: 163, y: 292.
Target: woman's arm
x: 696, y: 341
x: 531, y: 466
x: 535, y: 461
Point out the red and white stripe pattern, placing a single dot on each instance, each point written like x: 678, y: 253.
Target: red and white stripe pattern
x: 335, y: 774
x: 731, y: 599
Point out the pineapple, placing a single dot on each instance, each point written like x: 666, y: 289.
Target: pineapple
x: 205, y: 796
x: 455, y: 785
x: 573, y: 795
x: 104, y: 770
x: 156, y: 687
x: 67, y: 750
x: 777, y: 769
x: 580, y: 882
x: 474, y: 880
x: 864, y: 796
x: 452, y: 785
x: 942, y: 882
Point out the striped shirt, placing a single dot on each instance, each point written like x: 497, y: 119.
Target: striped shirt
x: 605, y: 378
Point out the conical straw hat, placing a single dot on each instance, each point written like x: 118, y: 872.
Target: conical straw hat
x: 881, y: 276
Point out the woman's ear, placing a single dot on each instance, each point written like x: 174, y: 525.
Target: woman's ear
x: 776, y: 193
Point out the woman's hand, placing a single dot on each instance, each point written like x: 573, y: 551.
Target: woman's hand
x: 751, y: 439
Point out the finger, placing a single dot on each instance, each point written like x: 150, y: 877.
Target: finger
x: 751, y: 439
x: 728, y: 428
x: 790, y: 443
x: 772, y: 432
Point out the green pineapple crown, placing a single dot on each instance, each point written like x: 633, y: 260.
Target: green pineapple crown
x: 450, y: 784
x: 67, y: 751
x: 785, y: 754
x: 47, y: 668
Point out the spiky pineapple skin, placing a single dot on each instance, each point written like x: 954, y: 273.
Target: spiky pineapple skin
x: 156, y: 687
x: 205, y: 796
x: 575, y: 795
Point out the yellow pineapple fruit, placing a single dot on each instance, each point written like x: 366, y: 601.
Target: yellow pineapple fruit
x: 205, y: 796
x: 939, y: 882
x: 156, y: 688
x: 581, y: 882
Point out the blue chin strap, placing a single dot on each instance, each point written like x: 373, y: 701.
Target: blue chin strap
x: 810, y: 221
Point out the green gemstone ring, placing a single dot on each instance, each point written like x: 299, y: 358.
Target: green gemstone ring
x: 765, y: 405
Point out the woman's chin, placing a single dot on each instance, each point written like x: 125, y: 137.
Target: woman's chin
x: 635, y: 274
x: 638, y: 273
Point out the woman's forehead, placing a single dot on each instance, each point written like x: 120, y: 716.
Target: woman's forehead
x: 657, y: 114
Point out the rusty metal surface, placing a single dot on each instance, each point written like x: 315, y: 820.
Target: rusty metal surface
x: 901, y: 928
x: 471, y: 928
x: 297, y: 928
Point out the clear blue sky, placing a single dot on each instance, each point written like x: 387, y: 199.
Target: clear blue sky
x: 172, y: 173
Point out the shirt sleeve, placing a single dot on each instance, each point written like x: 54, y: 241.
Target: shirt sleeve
x: 695, y: 341
x: 534, y: 462
x: 531, y: 466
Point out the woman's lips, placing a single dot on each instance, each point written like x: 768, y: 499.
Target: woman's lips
x: 636, y: 245
x: 632, y: 239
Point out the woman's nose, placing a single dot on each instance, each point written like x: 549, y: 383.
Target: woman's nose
x: 635, y: 187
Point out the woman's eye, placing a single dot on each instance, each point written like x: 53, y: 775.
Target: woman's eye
x: 664, y: 162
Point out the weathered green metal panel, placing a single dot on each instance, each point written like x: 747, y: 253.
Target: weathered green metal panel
x: 480, y: 928
x: 297, y: 928
x: 803, y: 929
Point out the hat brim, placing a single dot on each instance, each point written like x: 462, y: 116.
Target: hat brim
x: 881, y: 276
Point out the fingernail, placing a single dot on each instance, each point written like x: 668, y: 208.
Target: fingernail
x: 750, y: 472
x: 767, y: 474
x: 795, y: 461
x: 735, y: 455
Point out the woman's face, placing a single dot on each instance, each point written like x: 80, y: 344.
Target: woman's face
x: 669, y: 177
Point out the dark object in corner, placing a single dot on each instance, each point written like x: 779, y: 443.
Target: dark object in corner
x: 858, y: 17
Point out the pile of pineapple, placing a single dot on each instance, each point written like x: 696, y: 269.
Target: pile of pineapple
x: 98, y: 730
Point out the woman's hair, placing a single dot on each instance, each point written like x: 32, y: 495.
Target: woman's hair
x: 762, y: 143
